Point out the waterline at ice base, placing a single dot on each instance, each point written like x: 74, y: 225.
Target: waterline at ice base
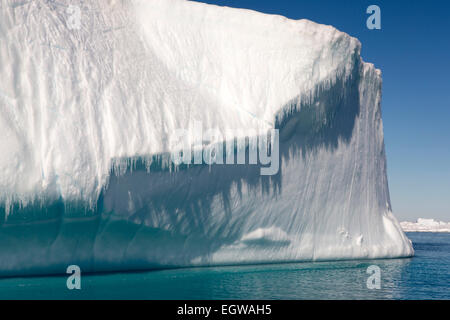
x: 88, y: 119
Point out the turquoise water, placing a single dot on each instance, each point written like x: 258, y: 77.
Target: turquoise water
x: 426, y: 276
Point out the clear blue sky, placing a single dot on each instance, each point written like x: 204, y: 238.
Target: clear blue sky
x: 413, y: 51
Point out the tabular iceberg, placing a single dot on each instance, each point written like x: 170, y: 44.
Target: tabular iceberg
x: 88, y: 113
x: 425, y: 225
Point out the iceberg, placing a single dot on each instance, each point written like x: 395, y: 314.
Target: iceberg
x: 93, y: 94
x: 425, y: 225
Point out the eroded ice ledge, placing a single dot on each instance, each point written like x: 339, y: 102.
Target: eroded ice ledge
x: 134, y: 71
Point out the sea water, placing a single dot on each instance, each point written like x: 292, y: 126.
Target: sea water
x: 425, y: 276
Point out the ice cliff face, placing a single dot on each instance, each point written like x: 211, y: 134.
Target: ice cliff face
x: 89, y: 109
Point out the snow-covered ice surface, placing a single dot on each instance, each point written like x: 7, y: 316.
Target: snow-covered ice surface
x: 425, y: 225
x: 87, y: 115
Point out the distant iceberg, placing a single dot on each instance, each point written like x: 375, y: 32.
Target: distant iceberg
x: 88, y: 114
x: 426, y: 225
